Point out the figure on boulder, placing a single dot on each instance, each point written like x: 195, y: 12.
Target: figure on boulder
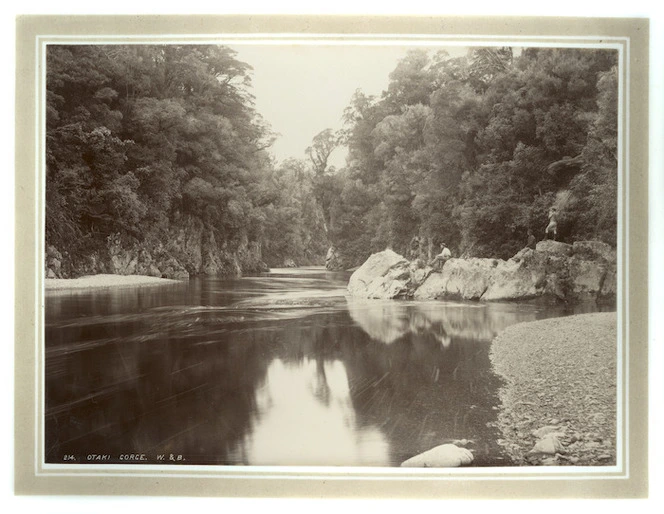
x: 414, y: 250
x: 532, y: 242
x: 553, y: 223
x: 439, y: 260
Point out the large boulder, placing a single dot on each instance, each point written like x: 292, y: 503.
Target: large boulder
x: 468, y: 279
x: 465, y: 279
x: 419, y: 272
x: 586, y: 277
x: 487, y: 279
x: 517, y: 280
x: 593, y: 251
x: 555, y: 271
x: 554, y: 247
x: 433, y: 288
x: 384, y: 275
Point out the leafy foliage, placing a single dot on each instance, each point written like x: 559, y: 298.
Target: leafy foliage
x: 473, y: 151
x: 140, y: 136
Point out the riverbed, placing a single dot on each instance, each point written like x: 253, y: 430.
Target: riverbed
x: 277, y: 369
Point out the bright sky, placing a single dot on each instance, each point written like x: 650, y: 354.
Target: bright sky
x: 303, y: 89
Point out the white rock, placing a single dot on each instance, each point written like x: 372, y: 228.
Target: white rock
x: 383, y: 275
x: 549, y: 445
x: 443, y: 456
x: 555, y: 247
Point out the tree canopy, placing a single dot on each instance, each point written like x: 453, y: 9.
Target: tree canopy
x: 469, y: 150
x: 473, y: 151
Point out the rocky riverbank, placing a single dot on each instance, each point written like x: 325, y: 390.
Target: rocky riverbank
x: 585, y: 270
x: 189, y: 248
x: 558, y: 405
x: 103, y: 281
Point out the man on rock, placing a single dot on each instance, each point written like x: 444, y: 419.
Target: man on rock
x: 440, y: 259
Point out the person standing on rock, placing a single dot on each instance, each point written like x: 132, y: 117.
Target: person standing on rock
x: 552, y: 227
x: 440, y: 259
x: 414, y: 249
x: 532, y: 242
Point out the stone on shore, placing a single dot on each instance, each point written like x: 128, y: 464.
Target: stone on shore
x: 443, y: 456
x: 548, y: 445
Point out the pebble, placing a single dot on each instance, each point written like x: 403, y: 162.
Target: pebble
x: 541, y: 432
x: 573, y: 398
x: 549, y: 445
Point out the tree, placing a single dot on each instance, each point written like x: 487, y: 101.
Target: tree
x: 322, y: 146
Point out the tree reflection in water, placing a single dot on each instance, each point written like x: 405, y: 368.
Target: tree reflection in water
x: 300, y: 426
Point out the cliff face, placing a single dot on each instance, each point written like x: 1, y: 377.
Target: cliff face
x: 555, y: 271
x: 189, y: 249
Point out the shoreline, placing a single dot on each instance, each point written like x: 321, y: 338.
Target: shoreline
x: 558, y: 402
x: 103, y: 281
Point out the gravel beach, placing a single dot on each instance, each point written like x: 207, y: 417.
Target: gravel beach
x: 103, y: 281
x: 559, y: 398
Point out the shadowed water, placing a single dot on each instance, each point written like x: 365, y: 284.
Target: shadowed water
x: 279, y: 369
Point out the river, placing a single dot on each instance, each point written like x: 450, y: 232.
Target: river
x: 277, y: 369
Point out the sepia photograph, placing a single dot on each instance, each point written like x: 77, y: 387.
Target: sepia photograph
x: 206, y: 277
x: 338, y: 254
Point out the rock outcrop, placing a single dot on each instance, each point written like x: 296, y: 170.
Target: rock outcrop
x: 384, y: 275
x: 333, y: 260
x: 53, y: 263
x: 555, y: 271
x: 190, y: 249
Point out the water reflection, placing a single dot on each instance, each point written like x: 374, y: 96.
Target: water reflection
x: 300, y: 401
x: 389, y: 321
x: 230, y: 372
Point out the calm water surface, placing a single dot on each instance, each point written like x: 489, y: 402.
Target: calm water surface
x: 279, y: 369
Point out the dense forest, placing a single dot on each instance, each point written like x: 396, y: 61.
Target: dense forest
x: 158, y: 163
x: 473, y: 152
x: 155, y: 154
